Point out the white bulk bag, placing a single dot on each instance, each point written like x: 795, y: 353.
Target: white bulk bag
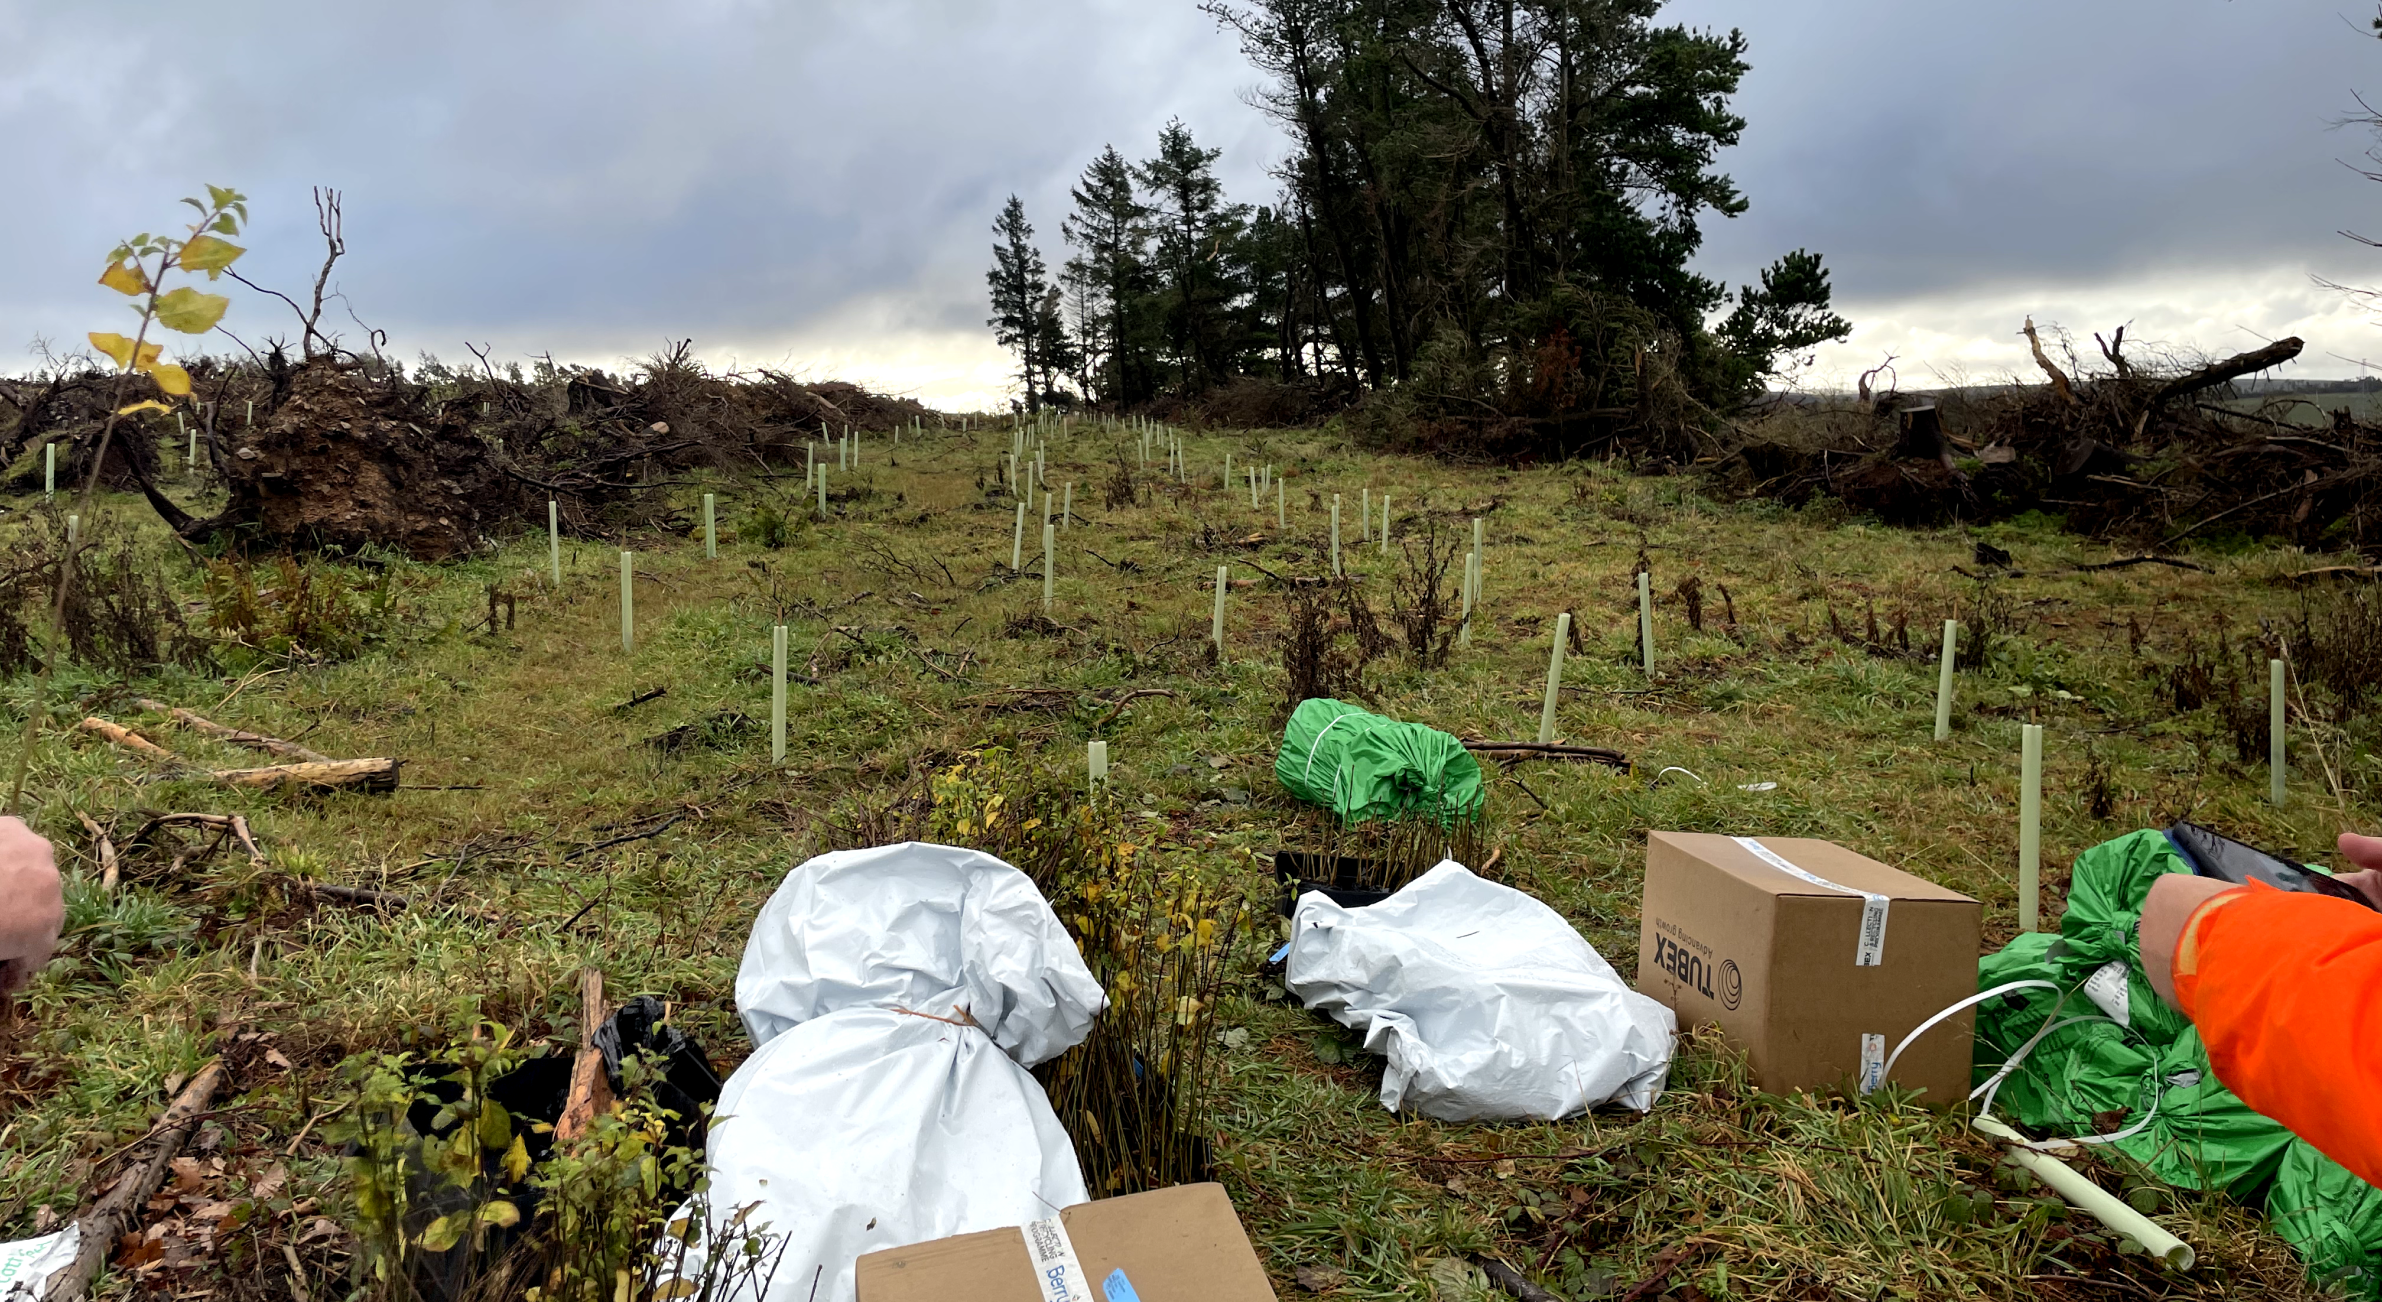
x: 874, y: 1114
x: 1488, y: 1005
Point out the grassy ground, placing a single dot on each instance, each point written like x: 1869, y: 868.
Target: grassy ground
x: 522, y: 761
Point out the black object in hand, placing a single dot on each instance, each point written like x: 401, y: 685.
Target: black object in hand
x: 2213, y: 854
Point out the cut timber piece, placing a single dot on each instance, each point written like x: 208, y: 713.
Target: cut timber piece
x: 254, y: 740
x: 119, y: 1210
x: 129, y: 739
x: 591, y: 1090
x: 371, y: 775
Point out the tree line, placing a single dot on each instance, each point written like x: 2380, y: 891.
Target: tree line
x: 1486, y: 217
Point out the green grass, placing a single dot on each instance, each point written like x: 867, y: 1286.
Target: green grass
x: 518, y: 757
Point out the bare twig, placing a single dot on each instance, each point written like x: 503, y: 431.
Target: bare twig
x: 116, y: 1210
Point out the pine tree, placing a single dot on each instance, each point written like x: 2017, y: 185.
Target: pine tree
x: 1020, y: 290
x: 1110, y: 279
x: 1193, y: 225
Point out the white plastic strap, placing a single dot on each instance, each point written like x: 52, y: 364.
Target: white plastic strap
x: 1869, y: 949
x: 1055, y: 1268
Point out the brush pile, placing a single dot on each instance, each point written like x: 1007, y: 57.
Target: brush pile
x: 2153, y: 451
x: 343, y: 452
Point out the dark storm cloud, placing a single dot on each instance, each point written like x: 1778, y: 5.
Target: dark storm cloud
x: 557, y: 173
x: 591, y: 178
x: 1928, y: 146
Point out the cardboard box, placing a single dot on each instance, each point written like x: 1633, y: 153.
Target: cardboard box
x: 1183, y: 1244
x: 1816, y: 969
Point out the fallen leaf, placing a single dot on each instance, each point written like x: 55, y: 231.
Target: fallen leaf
x: 1319, y: 1279
x: 189, y: 1176
x: 274, y: 1057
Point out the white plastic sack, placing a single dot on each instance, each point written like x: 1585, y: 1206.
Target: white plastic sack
x: 872, y: 1116
x: 27, y: 1264
x: 1488, y: 1005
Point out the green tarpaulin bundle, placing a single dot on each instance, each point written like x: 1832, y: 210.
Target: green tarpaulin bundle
x: 1362, y: 766
x: 2109, y: 1058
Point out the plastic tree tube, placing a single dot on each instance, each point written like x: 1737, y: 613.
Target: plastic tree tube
x: 49, y: 470
x: 1216, y: 625
x: 1943, y: 681
x: 1364, y: 516
x: 628, y: 603
x: 1096, y: 762
x: 554, y: 540
x: 777, y: 695
x: 1281, y: 512
x: 1546, y: 712
x: 1646, y: 620
x: 2030, y: 826
x: 1017, y: 541
x: 2274, y: 731
x: 711, y: 531
x: 1385, y: 524
x: 1067, y: 509
x: 1049, y: 556
x: 1335, y: 535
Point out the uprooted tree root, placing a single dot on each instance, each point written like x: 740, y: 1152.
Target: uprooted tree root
x: 2140, y: 449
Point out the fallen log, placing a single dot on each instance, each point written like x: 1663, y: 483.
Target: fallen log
x: 375, y: 776
x: 117, y: 1211
x: 2229, y: 370
x: 254, y: 740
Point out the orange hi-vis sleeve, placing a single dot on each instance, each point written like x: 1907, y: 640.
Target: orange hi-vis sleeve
x: 2286, y: 989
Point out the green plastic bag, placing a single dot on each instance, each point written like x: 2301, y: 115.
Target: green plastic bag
x: 2151, y: 1074
x: 2331, y: 1217
x: 1362, y: 766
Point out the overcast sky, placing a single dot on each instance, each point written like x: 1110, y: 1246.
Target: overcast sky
x: 809, y: 184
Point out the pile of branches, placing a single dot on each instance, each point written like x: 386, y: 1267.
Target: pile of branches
x: 2153, y: 451
x: 340, y: 451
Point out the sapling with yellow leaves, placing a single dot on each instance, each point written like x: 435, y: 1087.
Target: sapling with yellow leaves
x: 140, y: 269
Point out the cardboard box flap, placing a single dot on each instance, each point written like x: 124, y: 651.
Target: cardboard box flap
x: 1823, y: 859
x: 1179, y: 1244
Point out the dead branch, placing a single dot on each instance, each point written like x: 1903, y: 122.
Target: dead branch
x: 105, y: 849
x: 2229, y: 370
x: 129, y: 739
x: 1128, y: 699
x: 253, y: 740
x: 1509, y: 1279
x: 1510, y: 751
x: 117, y: 1211
x: 2059, y: 378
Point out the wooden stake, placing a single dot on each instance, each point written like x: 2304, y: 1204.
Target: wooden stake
x: 2275, y: 767
x: 628, y: 603
x: 2030, y: 826
x: 591, y: 1089
x: 1943, y: 681
x: 1546, y: 712
x: 777, y: 695
x: 1216, y: 626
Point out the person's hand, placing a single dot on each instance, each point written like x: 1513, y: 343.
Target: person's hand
x: 2366, y: 853
x: 2172, y: 901
x: 32, y: 905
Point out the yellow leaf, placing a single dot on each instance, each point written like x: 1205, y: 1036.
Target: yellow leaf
x: 208, y: 254
x: 149, y: 405
x: 171, y: 378
x: 500, y: 1212
x: 444, y: 1233
x: 124, y: 278
x: 190, y: 311
x: 114, y: 345
x: 517, y: 1160
x: 675, y: 1290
